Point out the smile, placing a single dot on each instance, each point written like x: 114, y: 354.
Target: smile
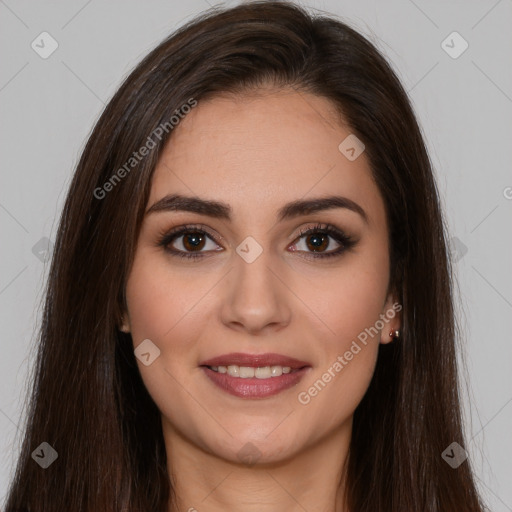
x: 254, y: 376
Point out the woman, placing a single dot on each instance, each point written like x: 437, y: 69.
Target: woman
x: 249, y: 305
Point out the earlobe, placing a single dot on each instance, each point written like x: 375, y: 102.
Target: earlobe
x: 393, y: 320
x: 125, y: 325
x: 394, y: 334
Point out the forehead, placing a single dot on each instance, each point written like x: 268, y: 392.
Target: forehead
x: 259, y: 151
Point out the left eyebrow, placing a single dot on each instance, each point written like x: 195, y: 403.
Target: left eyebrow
x: 308, y: 206
x: 219, y: 210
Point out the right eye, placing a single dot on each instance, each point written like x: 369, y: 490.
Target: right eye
x: 188, y: 242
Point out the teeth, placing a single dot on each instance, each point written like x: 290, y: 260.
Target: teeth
x: 247, y: 372
x: 276, y: 371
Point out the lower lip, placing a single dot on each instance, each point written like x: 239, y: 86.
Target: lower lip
x: 252, y: 387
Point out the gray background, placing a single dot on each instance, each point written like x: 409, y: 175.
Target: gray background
x: 48, y: 106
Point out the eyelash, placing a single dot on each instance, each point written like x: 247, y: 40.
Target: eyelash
x: 346, y: 241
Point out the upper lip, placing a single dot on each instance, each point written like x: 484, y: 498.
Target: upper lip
x: 255, y: 360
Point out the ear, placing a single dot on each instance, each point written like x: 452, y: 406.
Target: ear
x: 125, y: 324
x: 392, y: 318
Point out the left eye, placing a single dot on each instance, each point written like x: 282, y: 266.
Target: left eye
x: 316, y: 242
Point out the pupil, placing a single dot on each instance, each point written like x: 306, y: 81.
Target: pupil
x: 193, y: 240
x: 317, y: 241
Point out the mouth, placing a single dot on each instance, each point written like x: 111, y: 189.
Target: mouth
x: 254, y: 376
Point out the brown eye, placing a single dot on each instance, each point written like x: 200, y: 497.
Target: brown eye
x: 188, y: 242
x: 322, y: 241
x: 317, y: 242
x: 194, y: 241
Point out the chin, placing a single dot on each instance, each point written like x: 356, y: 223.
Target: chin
x: 256, y: 447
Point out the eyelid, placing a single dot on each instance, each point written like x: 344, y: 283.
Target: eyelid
x: 191, y: 227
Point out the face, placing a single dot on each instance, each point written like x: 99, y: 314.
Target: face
x: 257, y: 277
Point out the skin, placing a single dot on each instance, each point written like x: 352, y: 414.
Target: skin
x: 257, y: 152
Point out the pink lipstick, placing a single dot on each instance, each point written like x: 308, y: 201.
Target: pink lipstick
x: 254, y: 376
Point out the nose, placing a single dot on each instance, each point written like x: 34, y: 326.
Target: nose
x: 257, y: 298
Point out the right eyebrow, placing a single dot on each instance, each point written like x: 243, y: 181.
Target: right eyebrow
x: 176, y: 202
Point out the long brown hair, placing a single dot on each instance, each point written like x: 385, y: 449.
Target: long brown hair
x: 88, y: 400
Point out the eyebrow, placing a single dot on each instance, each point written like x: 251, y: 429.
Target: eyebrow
x: 219, y: 210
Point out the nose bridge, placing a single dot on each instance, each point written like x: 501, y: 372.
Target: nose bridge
x: 255, y: 296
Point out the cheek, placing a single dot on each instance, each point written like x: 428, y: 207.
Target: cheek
x: 172, y: 309
x: 351, y: 308
x: 349, y: 354
x: 331, y: 396
x: 165, y: 306
x: 349, y: 300
x: 169, y: 309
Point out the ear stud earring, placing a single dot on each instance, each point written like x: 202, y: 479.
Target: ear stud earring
x: 394, y: 334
